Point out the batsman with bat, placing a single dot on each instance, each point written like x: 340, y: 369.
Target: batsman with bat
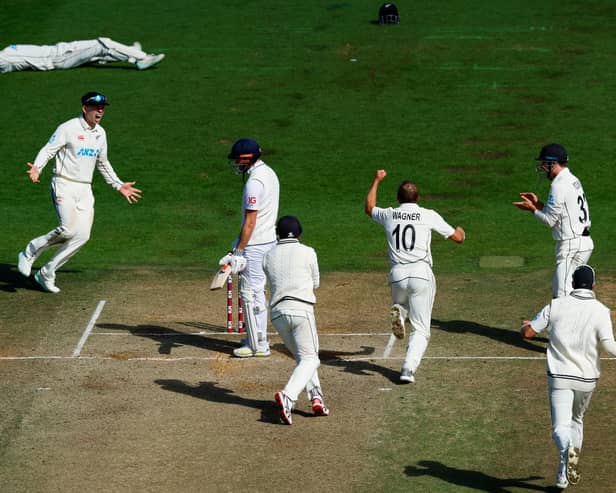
x: 413, y: 287
x: 257, y: 236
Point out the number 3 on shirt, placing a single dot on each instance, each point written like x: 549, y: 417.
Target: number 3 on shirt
x: 581, y: 200
x: 404, y: 236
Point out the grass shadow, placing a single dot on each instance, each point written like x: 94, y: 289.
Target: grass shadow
x: 504, y: 336
x: 472, y: 479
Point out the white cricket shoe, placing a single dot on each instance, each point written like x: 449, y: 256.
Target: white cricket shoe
x: 561, y: 476
x: 149, y: 61
x: 24, y: 264
x: 406, y: 376
x: 318, y: 403
x: 573, y: 456
x: 397, y: 321
x: 46, y: 284
x: 247, y: 352
x: 285, y: 406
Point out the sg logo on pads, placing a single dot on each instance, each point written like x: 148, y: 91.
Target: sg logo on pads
x: 88, y: 151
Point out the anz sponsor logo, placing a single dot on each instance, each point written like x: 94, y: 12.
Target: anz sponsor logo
x: 88, y: 152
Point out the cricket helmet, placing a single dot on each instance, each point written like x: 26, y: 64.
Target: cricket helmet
x: 94, y: 98
x: 288, y: 227
x: 243, y: 155
x: 388, y: 14
x: 553, y: 153
x: 550, y: 155
x: 583, y: 277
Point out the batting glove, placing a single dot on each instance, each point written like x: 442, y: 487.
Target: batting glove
x: 238, y: 263
x: 226, y: 259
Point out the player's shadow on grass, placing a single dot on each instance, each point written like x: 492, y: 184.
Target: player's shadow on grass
x: 506, y: 336
x: 209, y: 391
x: 11, y: 280
x: 472, y: 479
x: 357, y: 367
x: 169, y: 339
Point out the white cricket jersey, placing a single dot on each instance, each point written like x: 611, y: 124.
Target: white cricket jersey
x: 261, y: 194
x: 78, y: 149
x: 409, y: 232
x: 575, y: 325
x: 292, y: 272
x: 566, y: 211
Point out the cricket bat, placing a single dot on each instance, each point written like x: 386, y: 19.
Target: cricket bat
x: 221, y: 277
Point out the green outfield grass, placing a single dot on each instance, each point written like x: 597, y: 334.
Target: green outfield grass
x: 459, y: 97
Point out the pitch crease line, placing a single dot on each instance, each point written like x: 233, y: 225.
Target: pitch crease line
x: 88, y: 329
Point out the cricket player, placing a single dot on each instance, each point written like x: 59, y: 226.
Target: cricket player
x: 79, y: 145
x: 413, y: 287
x: 292, y: 272
x: 566, y: 213
x: 257, y: 236
x: 575, y: 325
x: 72, y: 54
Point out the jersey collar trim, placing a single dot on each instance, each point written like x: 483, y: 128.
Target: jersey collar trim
x: 583, y: 294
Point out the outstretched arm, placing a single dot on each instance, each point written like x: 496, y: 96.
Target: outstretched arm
x: 371, y: 197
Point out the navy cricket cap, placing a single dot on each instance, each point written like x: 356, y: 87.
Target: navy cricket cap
x: 288, y: 227
x: 245, y: 148
x: 553, y: 152
x: 94, y: 98
x: 583, y: 277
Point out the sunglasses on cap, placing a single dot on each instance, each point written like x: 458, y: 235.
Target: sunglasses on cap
x: 95, y: 100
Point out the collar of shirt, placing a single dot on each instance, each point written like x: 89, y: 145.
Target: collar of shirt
x: 85, y: 126
x: 561, y: 176
x: 409, y: 205
x: 284, y: 241
x: 258, y: 163
x: 583, y: 294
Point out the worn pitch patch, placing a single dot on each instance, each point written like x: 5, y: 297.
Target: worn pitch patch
x: 501, y: 261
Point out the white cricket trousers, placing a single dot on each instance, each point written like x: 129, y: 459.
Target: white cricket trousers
x: 416, y: 297
x: 567, y: 407
x: 570, y: 254
x: 74, y: 204
x: 252, y: 291
x: 298, y: 329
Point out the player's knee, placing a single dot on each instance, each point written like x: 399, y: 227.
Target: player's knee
x: 65, y: 233
x: 561, y: 435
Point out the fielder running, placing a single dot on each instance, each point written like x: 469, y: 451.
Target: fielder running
x: 566, y: 213
x: 65, y: 55
x: 257, y: 237
x: 292, y: 272
x: 79, y: 145
x: 413, y: 287
x: 575, y: 325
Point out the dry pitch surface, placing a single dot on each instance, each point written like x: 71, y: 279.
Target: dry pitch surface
x: 124, y: 382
